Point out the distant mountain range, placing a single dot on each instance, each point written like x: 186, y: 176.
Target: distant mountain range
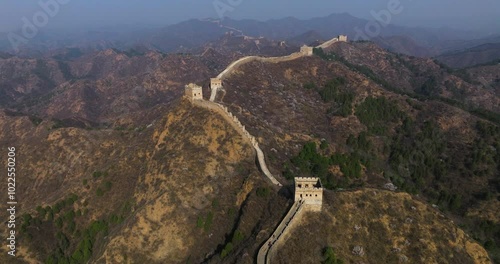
x: 191, y: 34
x: 482, y: 54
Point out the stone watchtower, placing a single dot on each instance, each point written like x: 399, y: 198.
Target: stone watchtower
x: 306, y: 50
x: 193, y: 92
x: 215, y: 83
x: 343, y: 38
x: 310, y: 190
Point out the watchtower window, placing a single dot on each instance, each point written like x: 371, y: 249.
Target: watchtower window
x: 300, y: 185
x: 307, y: 185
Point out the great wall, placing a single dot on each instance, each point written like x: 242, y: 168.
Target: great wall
x: 308, y: 191
x: 233, y: 120
x: 216, y: 83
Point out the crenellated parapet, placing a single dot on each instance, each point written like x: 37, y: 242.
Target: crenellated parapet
x: 309, y: 190
x: 193, y: 92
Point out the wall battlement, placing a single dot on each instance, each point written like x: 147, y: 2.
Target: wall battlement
x: 309, y: 190
x: 215, y: 83
x: 193, y: 92
x: 306, y: 178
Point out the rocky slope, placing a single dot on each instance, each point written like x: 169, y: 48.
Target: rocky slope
x: 371, y: 135
x: 417, y: 75
x: 379, y: 227
x: 176, y: 191
x: 121, y: 170
x: 98, y: 86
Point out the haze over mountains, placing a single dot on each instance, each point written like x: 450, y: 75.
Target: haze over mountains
x: 187, y: 35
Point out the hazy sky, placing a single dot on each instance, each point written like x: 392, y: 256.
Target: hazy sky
x: 472, y: 13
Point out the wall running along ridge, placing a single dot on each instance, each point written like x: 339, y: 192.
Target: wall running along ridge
x: 233, y: 66
x: 233, y: 120
x: 295, y: 213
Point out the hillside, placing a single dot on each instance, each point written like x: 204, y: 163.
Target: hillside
x: 179, y: 195
x: 419, y: 77
x: 370, y: 135
x: 235, y: 45
x: 482, y: 54
x: 99, y: 86
x: 386, y: 228
x: 404, y: 45
x: 123, y: 170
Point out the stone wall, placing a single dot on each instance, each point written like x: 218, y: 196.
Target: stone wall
x: 266, y: 251
x: 310, y: 190
x: 304, y: 52
x: 235, y: 122
x: 328, y: 43
x: 233, y: 66
x: 193, y: 92
x: 341, y: 38
x: 302, y: 203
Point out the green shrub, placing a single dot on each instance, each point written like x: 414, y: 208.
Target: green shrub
x: 310, y: 86
x: 200, y: 223
x: 377, y: 113
x: 107, y: 186
x: 330, y: 257
x: 323, y: 145
x: 227, y: 249
x: 208, y: 221
x: 237, y: 237
x: 263, y: 192
x: 97, y: 174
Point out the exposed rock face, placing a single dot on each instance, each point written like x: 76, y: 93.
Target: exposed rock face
x: 358, y: 251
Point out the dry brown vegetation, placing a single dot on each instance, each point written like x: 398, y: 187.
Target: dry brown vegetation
x: 161, y: 181
x: 390, y: 227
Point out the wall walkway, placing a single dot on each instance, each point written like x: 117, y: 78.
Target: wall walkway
x: 267, y: 250
x: 233, y: 66
x: 233, y: 120
x: 328, y: 43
